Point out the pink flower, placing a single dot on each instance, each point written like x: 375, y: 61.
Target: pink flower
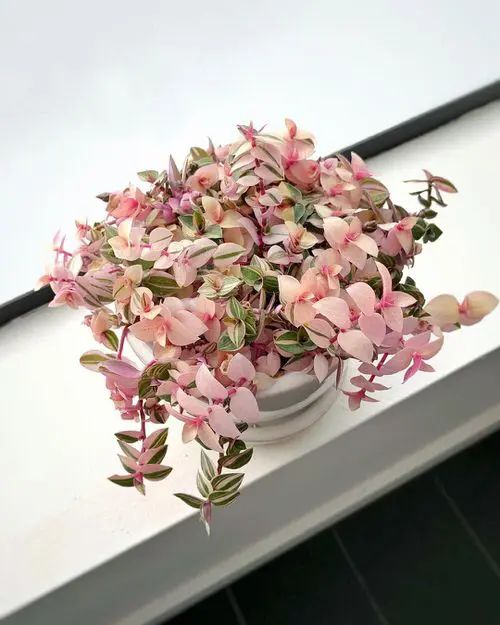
x: 187, y: 262
x: 445, y: 310
x: 174, y: 324
x: 359, y: 168
x: 399, y: 235
x: 215, y: 214
x: 392, y: 302
x: 329, y: 265
x: 210, y: 314
x: 142, y: 303
x: 349, y: 240
x: 125, y: 285
x: 126, y: 204
x: 158, y: 241
x: 203, y: 178
x: 416, y: 350
x: 218, y: 418
x: 269, y: 364
x: 352, y: 341
x: 127, y: 243
x: 100, y: 322
x: 371, y: 323
x: 298, y: 297
x: 303, y: 173
x: 68, y: 295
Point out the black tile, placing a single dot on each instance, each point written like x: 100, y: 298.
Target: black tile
x: 214, y: 609
x: 312, y: 583
x: 419, y: 562
x: 472, y: 480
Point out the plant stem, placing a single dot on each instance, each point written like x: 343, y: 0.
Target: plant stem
x: 122, y: 342
x: 379, y: 365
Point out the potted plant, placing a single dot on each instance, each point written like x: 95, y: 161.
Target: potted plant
x: 245, y: 282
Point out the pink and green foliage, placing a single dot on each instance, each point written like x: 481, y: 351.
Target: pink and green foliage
x: 255, y: 259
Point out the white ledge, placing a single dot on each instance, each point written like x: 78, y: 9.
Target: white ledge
x: 84, y: 550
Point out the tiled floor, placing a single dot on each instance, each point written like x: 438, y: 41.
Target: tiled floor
x: 427, y: 553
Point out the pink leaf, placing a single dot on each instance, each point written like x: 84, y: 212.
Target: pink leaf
x: 393, y: 316
x: 320, y: 367
x: 335, y: 310
x: 289, y: 288
x: 402, y: 299
x: 355, y: 343
x: 320, y: 332
x: 363, y: 296
x: 193, y: 405
x: 386, y: 278
x: 398, y: 362
x: 208, y: 438
x: 240, y: 369
x: 244, y: 405
x: 208, y: 386
x: 222, y: 422
x: 373, y: 326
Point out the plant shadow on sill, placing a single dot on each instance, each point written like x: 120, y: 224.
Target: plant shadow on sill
x: 428, y: 552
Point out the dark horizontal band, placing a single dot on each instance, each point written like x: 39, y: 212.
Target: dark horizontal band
x: 371, y: 146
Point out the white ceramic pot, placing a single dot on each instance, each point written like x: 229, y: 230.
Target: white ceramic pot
x: 294, y: 402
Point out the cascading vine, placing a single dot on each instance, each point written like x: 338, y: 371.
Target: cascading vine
x: 256, y: 259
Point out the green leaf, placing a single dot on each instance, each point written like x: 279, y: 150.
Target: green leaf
x: 122, y: 480
x: 229, y: 482
x: 298, y: 212
x: 213, y: 232
x: 128, y: 463
x: 158, y: 456
x: 250, y: 325
x: 104, y: 196
x: 187, y: 222
x: 161, y: 285
x: 237, y: 460
x: 224, y: 344
x: 93, y: 359
x: 419, y: 229
x: 112, y: 339
x: 236, y: 333
x: 149, y: 175
x: 288, y: 190
x: 203, y: 485
x: 235, y: 309
x: 129, y: 436
x: 140, y: 486
x: 128, y: 450
x: 194, y: 502
x: 106, y: 252
x: 288, y: 342
x: 432, y: 233
x: 156, y: 438
x: 198, y: 220
x: 158, y: 474
x: 146, y: 391
x: 429, y: 213
x: 199, y: 154
x: 207, y: 466
x: 160, y: 371
x: 270, y: 284
x: 229, y: 284
x: 250, y: 275
x: 222, y: 499
x: 443, y: 184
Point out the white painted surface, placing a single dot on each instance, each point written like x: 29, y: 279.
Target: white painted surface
x: 60, y: 517
x: 95, y: 91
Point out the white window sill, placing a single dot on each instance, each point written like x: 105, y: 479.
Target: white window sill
x: 130, y: 559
